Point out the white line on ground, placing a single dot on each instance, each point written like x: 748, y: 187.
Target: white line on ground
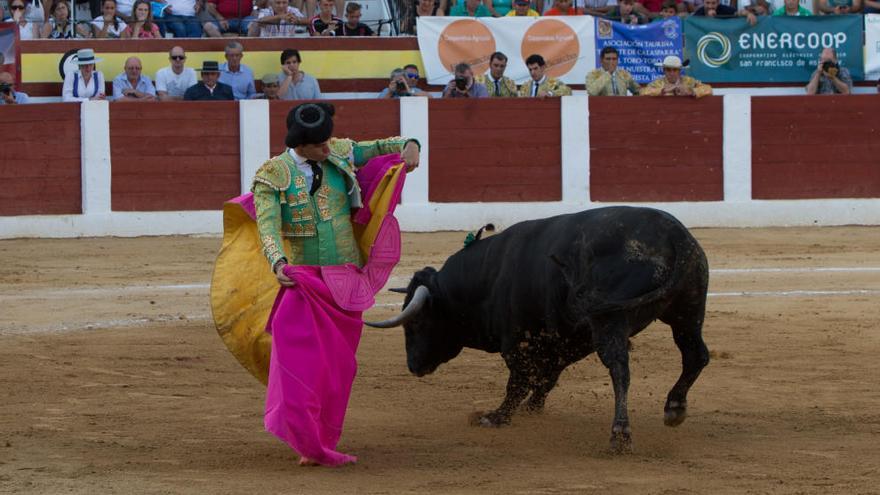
x: 140, y: 322
x: 98, y: 325
x: 843, y: 269
x: 393, y: 281
x: 796, y: 293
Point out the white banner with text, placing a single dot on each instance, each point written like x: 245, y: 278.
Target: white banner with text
x: 567, y: 43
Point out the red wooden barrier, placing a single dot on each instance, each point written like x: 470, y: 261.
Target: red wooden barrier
x: 656, y: 149
x: 495, y: 150
x: 815, y: 147
x: 355, y: 119
x: 40, y: 168
x: 174, y: 156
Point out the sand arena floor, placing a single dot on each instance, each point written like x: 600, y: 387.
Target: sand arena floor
x: 113, y: 380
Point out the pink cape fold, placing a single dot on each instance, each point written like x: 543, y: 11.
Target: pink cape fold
x: 316, y: 327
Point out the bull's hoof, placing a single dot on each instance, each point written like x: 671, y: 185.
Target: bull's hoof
x: 491, y: 419
x: 621, y: 440
x: 674, y: 413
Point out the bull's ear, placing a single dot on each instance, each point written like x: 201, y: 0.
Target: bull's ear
x: 398, y: 290
x: 487, y: 228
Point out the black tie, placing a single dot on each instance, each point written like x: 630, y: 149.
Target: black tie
x: 497, y: 89
x: 317, y: 175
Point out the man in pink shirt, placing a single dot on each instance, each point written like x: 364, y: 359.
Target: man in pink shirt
x: 652, y: 8
x: 563, y: 7
x: 230, y: 16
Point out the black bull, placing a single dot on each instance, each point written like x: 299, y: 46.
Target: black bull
x: 547, y: 293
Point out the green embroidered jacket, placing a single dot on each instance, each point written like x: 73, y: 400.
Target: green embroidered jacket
x: 314, y: 230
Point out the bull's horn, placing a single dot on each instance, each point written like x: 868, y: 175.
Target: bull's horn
x: 420, y: 297
x: 399, y: 290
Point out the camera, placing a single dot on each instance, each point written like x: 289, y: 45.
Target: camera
x: 5, y: 89
x: 830, y: 67
x: 461, y: 82
x: 400, y: 86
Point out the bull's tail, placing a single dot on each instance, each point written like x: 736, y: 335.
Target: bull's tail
x: 684, y: 247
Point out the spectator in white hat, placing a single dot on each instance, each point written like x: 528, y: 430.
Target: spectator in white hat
x: 674, y: 84
x: 86, y: 83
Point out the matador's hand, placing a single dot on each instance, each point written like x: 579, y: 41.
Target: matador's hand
x: 410, y: 156
x: 282, y: 278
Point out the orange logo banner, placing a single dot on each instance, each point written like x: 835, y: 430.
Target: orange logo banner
x: 567, y: 44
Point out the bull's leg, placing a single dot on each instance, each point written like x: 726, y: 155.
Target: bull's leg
x: 687, y: 326
x: 613, y: 350
x: 542, y: 387
x: 517, y: 389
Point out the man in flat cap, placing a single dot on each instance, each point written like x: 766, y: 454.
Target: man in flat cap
x: 303, y: 199
x: 674, y: 84
x: 270, y: 88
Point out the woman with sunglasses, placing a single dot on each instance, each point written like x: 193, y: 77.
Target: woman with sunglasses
x: 26, y: 28
x: 142, y: 25
x: 108, y: 25
x: 60, y: 26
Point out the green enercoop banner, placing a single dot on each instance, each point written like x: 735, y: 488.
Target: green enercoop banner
x: 777, y: 49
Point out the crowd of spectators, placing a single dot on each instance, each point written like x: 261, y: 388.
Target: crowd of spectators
x: 630, y: 11
x: 233, y: 80
x: 55, y: 19
x: 230, y: 80
x: 608, y: 80
x: 278, y: 18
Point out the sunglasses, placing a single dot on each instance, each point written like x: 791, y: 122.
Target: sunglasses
x: 16, y: 7
x: 412, y: 76
x: 178, y: 57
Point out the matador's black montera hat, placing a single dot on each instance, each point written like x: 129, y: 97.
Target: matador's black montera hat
x: 309, y: 123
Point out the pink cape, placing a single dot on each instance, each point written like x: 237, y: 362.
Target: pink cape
x: 316, y: 327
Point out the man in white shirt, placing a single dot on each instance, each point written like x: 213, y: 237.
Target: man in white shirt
x: 182, y: 20
x: 123, y: 8
x: 280, y: 20
x: 172, y: 82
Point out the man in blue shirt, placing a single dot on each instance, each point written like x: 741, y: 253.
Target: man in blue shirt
x: 234, y: 74
x: 8, y: 94
x: 463, y: 85
x: 131, y: 85
x: 400, y: 86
